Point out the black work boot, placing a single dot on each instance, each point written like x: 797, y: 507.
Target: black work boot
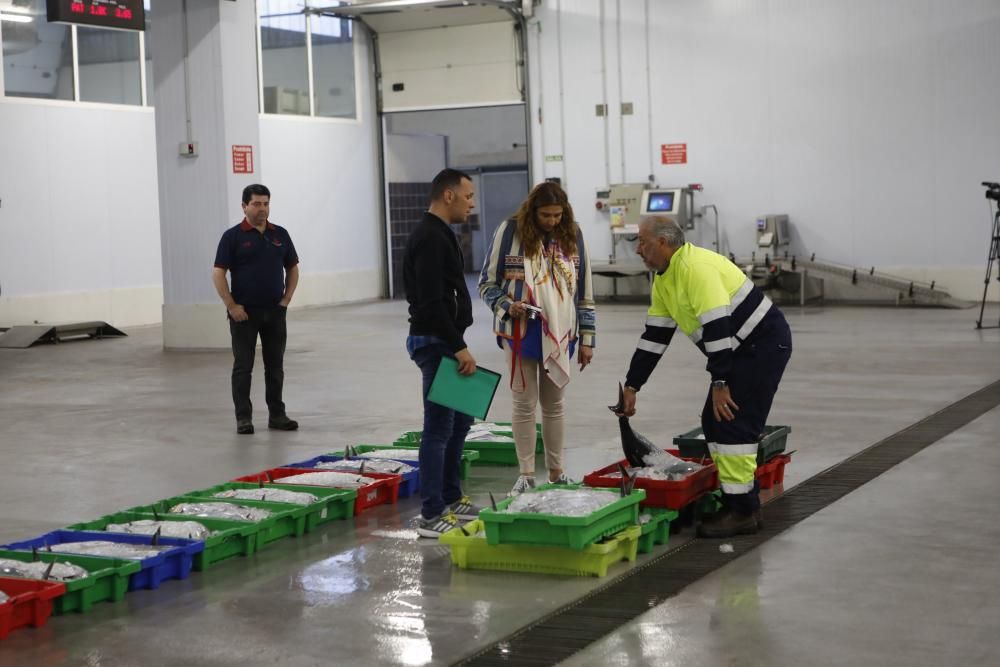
x: 729, y: 524
x: 244, y: 426
x: 282, y: 423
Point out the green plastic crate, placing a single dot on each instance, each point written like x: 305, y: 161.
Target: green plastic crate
x: 539, y: 442
x: 108, y: 578
x: 468, y: 456
x: 231, y: 538
x: 656, y: 530
x: 472, y: 551
x: 286, y: 520
x: 333, y: 503
x: 770, y: 445
x: 562, y: 531
x: 490, y: 453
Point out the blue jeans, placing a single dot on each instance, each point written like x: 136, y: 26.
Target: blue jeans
x: 443, y: 438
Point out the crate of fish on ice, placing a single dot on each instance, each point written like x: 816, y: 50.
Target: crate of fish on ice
x: 372, y: 488
x: 88, y: 579
x: 571, y: 516
x: 24, y: 603
x: 670, y: 482
x: 471, y: 550
x: 223, y: 538
x: 407, y: 453
x: 351, y: 461
x: 494, y: 442
x: 159, y: 558
x: 273, y: 520
x: 323, y: 504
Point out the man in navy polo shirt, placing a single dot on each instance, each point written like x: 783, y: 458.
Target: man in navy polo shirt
x: 264, y: 267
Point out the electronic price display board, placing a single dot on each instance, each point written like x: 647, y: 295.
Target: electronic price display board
x: 121, y: 14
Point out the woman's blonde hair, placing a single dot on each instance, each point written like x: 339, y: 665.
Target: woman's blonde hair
x: 546, y: 194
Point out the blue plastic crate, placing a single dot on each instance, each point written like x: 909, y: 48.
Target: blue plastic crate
x: 173, y: 563
x: 408, y: 487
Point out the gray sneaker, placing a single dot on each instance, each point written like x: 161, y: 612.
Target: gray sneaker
x: 523, y: 483
x: 437, y: 526
x: 563, y: 479
x: 465, y: 510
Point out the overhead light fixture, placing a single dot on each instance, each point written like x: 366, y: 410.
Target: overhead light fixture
x: 16, y: 18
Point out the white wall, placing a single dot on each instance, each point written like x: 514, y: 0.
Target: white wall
x: 323, y: 176
x: 870, y: 123
x: 79, y: 216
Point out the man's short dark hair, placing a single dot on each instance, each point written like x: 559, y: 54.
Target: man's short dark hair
x: 255, y: 189
x: 447, y: 179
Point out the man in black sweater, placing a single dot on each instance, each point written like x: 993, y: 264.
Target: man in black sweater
x: 440, y: 312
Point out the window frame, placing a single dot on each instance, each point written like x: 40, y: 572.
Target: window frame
x: 74, y: 46
x: 310, y: 73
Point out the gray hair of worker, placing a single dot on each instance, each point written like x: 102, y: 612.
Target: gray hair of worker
x: 665, y: 227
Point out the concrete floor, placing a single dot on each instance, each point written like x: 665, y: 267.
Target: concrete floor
x: 895, y: 572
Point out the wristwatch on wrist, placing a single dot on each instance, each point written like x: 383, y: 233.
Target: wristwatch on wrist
x: 633, y: 389
x: 719, y: 384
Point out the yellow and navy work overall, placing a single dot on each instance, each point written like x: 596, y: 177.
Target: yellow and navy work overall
x: 747, y: 342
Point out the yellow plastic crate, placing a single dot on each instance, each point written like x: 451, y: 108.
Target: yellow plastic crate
x: 472, y: 552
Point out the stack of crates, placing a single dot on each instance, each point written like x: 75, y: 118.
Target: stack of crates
x: 771, y: 459
x: 550, y: 544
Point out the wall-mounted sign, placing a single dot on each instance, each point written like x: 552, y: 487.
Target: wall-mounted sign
x: 553, y: 158
x: 121, y: 14
x: 242, y: 159
x: 673, y: 153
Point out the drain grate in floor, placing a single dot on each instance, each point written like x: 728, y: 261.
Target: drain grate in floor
x: 571, y: 628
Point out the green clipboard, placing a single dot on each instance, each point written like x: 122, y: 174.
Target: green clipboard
x: 468, y: 394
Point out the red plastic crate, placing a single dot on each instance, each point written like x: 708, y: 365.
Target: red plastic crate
x: 662, y: 493
x: 772, y: 473
x: 384, y: 491
x: 30, y: 603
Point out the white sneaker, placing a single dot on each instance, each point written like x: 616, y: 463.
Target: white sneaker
x: 437, y: 526
x: 523, y: 483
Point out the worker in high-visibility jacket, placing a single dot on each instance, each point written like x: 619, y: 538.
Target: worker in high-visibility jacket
x: 747, y: 342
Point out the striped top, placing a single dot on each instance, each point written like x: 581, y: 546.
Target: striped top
x: 710, y: 299
x: 501, y: 283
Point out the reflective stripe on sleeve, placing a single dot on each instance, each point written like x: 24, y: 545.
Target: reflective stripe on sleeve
x: 719, y: 345
x: 755, y: 317
x: 741, y: 294
x: 667, y: 322
x: 714, y: 314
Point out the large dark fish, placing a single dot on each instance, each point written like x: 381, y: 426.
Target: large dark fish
x: 635, y: 446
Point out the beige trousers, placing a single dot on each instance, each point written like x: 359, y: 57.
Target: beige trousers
x: 537, y: 389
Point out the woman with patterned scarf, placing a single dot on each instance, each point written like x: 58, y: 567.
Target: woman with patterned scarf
x: 536, y: 279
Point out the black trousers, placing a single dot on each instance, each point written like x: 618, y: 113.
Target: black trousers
x: 758, y: 364
x: 270, y: 324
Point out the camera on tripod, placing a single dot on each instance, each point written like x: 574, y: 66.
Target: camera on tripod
x: 992, y: 191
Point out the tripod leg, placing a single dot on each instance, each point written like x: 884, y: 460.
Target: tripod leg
x: 994, y: 257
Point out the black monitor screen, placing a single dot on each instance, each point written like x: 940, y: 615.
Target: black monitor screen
x: 660, y: 202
